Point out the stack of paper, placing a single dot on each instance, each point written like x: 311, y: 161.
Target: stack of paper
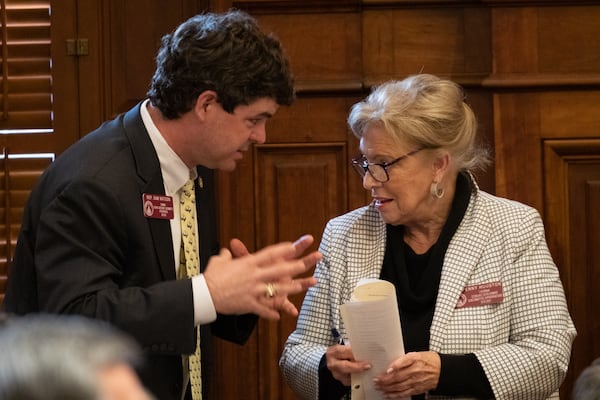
x: 372, y: 322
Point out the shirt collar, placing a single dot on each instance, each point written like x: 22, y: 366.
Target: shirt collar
x: 174, y: 171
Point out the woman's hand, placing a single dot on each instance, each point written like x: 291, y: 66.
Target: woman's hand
x: 411, y: 374
x: 341, y: 363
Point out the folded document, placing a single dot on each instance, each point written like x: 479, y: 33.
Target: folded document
x: 372, y: 323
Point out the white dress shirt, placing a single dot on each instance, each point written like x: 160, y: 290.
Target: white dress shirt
x: 175, y: 174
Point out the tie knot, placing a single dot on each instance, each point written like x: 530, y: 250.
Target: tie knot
x: 189, y: 185
x: 187, y: 192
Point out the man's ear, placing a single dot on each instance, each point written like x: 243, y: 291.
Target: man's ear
x: 205, y: 100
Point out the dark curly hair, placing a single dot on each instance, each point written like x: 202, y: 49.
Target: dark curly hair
x: 227, y: 53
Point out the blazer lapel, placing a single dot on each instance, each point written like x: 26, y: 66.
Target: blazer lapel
x: 206, y: 212
x: 457, y: 268
x: 366, y: 248
x: 148, y: 169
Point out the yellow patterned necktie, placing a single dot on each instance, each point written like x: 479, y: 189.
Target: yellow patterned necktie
x: 189, y: 265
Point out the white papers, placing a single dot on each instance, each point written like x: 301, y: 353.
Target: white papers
x: 372, y: 324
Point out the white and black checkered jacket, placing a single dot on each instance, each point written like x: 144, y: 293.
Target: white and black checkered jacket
x: 523, y: 343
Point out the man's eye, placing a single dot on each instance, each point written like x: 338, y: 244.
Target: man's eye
x: 254, y: 121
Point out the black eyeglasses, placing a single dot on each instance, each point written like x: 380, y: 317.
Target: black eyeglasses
x: 379, y: 171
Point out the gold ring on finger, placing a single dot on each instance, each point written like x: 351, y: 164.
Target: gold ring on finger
x: 270, y: 290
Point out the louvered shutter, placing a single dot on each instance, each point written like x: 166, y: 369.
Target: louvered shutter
x: 25, y: 82
x: 18, y: 174
x: 25, y: 108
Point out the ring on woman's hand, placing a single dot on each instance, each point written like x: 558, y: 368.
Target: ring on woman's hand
x: 270, y: 290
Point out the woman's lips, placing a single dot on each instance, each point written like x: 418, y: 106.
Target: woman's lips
x: 380, y: 202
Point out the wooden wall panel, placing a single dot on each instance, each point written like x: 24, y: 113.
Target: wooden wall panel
x: 444, y: 41
x: 123, y: 40
x: 318, y: 118
x: 546, y: 45
x: 299, y: 188
x: 572, y: 194
x: 569, y: 113
x: 518, y: 157
x: 521, y: 119
x: 237, y: 213
x: 312, y: 119
x: 296, y: 188
x: 324, y: 49
x: 514, y: 40
x: 481, y: 102
x: 568, y: 39
x: 18, y: 174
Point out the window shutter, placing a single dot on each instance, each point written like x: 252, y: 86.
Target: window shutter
x: 25, y: 82
x: 18, y: 174
x: 25, y: 107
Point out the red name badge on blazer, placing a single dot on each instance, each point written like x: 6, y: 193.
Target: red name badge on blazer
x: 481, y: 295
x: 158, y: 206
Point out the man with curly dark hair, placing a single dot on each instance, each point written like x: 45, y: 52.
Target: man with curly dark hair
x: 102, y: 234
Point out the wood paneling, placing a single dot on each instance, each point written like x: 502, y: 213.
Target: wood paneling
x: 312, y: 119
x: 293, y: 189
x: 518, y: 155
x: 514, y: 40
x: 124, y: 38
x: 572, y: 195
x: 568, y: 40
x: 446, y: 41
x: 18, y: 174
x: 323, y: 48
x: 569, y: 113
x: 299, y: 187
x: 481, y: 101
x: 546, y: 40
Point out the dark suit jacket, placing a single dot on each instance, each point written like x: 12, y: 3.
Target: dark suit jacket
x: 85, y: 247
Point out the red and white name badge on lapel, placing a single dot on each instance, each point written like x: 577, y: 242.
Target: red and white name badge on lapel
x: 158, y: 206
x: 481, y: 295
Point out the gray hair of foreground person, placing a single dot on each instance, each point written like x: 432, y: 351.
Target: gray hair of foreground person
x: 54, y: 357
x: 587, y: 385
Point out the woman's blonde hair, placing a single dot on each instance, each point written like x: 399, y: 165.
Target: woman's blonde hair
x: 426, y: 111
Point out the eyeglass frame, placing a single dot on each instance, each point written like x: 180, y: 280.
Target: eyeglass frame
x: 361, y: 165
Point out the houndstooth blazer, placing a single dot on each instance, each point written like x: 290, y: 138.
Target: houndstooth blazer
x: 522, y: 343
